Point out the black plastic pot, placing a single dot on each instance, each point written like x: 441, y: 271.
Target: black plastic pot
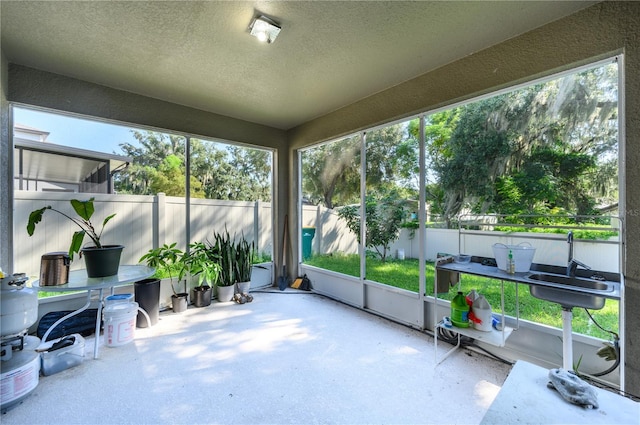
x: 147, y: 295
x: 102, y: 262
x: 179, y: 302
x: 202, y: 296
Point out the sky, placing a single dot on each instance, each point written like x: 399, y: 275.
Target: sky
x: 75, y: 132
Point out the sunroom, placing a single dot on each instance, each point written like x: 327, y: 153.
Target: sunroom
x: 348, y: 91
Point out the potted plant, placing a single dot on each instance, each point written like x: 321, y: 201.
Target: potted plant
x: 201, y: 261
x: 100, y: 260
x: 167, y: 260
x: 244, y: 265
x: 224, y: 249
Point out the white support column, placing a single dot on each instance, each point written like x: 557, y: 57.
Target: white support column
x: 422, y: 231
x: 567, y: 339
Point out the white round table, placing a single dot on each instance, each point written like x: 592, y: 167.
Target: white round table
x: 78, y: 281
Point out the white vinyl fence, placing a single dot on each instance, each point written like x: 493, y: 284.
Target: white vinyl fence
x: 141, y: 223
x: 332, y: 235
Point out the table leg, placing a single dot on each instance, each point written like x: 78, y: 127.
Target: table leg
x: 98, y: 320
x: 62, y: 319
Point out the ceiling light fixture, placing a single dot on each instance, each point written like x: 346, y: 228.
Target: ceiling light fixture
x: 264, y: 29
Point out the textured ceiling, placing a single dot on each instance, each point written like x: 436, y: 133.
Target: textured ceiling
x: 199, y: 54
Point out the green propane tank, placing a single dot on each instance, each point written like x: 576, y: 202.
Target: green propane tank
x: 460, y: 311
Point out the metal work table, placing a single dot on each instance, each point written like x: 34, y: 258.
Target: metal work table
x: 498, y: 338
x: 78, y: 281
x: 493, y: 337
x: 478, y: 269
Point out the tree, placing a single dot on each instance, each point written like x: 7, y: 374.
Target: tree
x: 170, y: 179
x: 253, y: 170
x: 392, y: 158
x: 547, y: 148
x: 331, y: 173
x: 384, y: 215
x: 218, y: 171
x: 153, y: 148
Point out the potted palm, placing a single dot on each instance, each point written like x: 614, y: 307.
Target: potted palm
x: 100, y: 260
x: 202, y: 262
x: 168, y: 260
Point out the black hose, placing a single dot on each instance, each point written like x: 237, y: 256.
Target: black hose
x: 616, y: 346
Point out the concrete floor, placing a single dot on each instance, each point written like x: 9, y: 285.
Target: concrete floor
x: 288, y: 357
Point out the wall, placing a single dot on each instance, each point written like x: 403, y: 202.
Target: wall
x: 47, y: 90
x: 6, y: 173
x: 597, y: 32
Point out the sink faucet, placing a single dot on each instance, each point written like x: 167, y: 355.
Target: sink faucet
x: 572, y: 263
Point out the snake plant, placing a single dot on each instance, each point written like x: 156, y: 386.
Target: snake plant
x: 235, y: 258
x: 244, y: 260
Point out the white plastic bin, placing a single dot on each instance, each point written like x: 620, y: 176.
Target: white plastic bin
x: 63, y: 358
x: 522, y: 255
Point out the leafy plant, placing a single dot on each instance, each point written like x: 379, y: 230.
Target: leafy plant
x: 235, y: 258
x: 201, y: 261
x: 224, y: 249
x: 261, y: 257
x: 85, y: 210
x: 244, y: 260
x: 384, y: 216
x: 166, y: 259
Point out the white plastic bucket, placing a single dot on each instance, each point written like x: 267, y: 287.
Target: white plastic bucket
x: 120, y: 323
x: 522, y: 255
x: 118, y: 298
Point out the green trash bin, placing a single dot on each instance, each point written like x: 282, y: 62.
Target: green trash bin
x: 307, y: 238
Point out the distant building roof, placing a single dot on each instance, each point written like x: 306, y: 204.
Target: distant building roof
x: 36, y: 159
x: 30, y: 133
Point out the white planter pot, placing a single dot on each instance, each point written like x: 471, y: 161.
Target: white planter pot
x: 225, y: 293
x: 243, y: 287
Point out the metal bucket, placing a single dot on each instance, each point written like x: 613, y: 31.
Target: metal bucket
x: 54, y: 269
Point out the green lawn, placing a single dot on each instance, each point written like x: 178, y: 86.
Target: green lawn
x: 405, y: 274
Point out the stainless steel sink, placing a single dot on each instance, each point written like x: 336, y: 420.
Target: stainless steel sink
x: 570, y: 291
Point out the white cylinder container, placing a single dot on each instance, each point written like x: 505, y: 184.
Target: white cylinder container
x: 482, y: 311
x: 120, y: 323
x: 18, y: 306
